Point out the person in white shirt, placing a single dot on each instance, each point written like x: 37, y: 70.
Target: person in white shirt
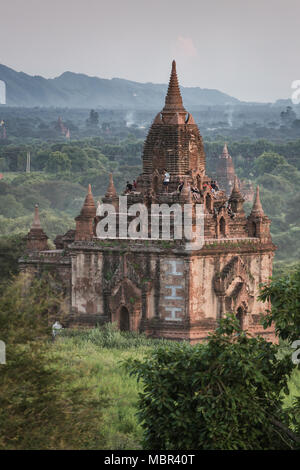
x: 166, y: 180
x: 56, y: 327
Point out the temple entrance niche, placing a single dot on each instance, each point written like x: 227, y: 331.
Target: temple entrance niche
x: 124, y: 300
x: 124, y: 322
x: 222, y: 227
x: 241, y: 316
x: 209, y: 203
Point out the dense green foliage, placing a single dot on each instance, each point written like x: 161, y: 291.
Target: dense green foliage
x: 11, y: 248
x: 109, y: 336
x: 73, y: 393
x: 284, y: 294
x: 43, y: 405
x: 222, y: 395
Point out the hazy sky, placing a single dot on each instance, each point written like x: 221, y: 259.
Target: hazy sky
x: 249, y: 49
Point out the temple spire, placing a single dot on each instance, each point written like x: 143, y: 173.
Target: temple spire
x: 173, y: 100
x: 88, y: 209
x: 84, y: 221
x: 236, y: 198
x: 36, y: 224
x: 236, y: 192
x: 36, y: 239
x: 111, y: 190
x: 257, y: 207
x: 225, y: 153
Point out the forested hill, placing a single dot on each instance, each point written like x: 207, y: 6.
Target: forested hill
x: 76, y: 90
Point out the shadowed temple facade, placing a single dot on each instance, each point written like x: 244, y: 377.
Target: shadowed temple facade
x: 162, y: 287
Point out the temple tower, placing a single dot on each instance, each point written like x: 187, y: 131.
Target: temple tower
x: 226, y: 176
x: 225, y: 171
x: 173, y: 143
x: 258, y: 222
x: 36, y: 238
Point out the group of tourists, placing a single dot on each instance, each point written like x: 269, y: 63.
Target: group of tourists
x: 196, y: 192
x: 213, y: 186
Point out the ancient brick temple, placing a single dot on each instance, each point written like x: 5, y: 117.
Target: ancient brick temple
x: 157, y: 286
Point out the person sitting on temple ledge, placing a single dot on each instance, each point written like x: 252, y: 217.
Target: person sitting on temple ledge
x: 180, y: 186
x: 166, y: 180
x: 128, y: 187
x: 214, y: 186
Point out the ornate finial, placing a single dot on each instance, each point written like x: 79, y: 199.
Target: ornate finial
x: 111, y: 190
x: 257, y: 207
x: 173, y: 100
x: 88, y: 208
x: 36, y: 221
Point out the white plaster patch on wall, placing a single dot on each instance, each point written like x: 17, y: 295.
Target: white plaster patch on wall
x: 174, y: 288
x: 174, y: 263
x: 173, y: 295
x: 173, y: 311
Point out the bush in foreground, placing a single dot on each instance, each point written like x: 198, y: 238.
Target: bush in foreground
x: 225, y: 394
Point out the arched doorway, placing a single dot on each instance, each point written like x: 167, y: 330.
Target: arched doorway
x: 124, y: 319
x: 222, y: 227
x: 240, y: 317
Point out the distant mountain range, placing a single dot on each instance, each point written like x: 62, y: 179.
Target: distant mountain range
x: 75, y: 90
